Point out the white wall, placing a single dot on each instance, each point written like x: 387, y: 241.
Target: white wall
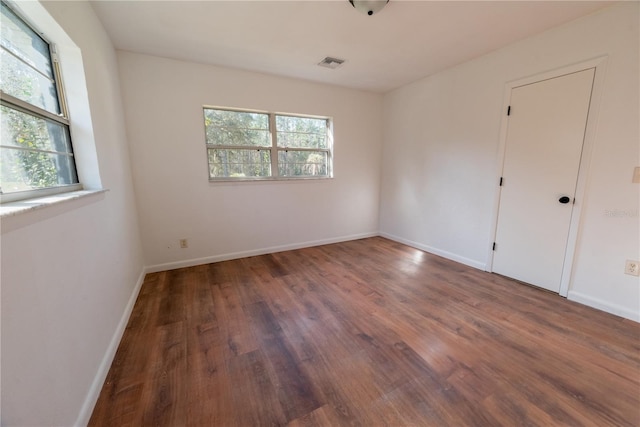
x: 440, y: 154
x: 163, y: 103
x: 68, y: 271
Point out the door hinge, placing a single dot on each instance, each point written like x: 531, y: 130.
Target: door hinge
x: 494, y: 246
x: 500, y: 182
x: 509, y: 110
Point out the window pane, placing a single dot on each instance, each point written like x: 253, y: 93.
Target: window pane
x: 24, y: 165
x: 25, y: 83
x: 22, y: 170
x: 23, y: 42
x: 238, y: 119
x: 229, y: 163
x: 301, y: 132
x: 26, y: 131
x: 233, y: 136
x: 237, y: 128
x: 302, y: 163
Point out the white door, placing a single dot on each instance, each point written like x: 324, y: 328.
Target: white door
x: 546, y: 127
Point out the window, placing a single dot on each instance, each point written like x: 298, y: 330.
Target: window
x: 35, y: 147
x: 252, y: 145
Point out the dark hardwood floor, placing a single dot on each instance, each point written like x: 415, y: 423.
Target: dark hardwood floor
x: 371, y: 333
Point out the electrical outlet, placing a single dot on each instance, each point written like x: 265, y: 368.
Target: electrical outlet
x: 184, y: 243
x: 632, y: 267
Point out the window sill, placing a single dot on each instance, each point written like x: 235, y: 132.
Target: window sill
x: 271, y: 179
x: 18, y: 208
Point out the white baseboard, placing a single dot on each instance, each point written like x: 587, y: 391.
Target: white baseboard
x: 105, y: 365
x: 269, y: 250
x: 453, y: 257
x: 604, y: 305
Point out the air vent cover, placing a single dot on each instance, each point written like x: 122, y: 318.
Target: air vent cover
x: 330, y: 62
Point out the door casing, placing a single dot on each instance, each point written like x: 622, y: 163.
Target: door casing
x: 599, y: 64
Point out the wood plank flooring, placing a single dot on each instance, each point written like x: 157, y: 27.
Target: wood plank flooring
x: 368, y: 332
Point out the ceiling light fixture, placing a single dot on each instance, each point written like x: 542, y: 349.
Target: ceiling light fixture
x: 368, y: 7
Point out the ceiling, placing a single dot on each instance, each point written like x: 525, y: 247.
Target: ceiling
x: 404, y: 42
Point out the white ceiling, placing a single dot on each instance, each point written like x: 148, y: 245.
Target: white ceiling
x: 404, y: 42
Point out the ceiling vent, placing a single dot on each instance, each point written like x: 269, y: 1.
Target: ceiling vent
x: 330, y: 62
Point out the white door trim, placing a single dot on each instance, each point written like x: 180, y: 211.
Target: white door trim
x: 599, y: 64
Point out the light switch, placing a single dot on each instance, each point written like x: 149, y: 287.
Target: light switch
x: 636, y: 175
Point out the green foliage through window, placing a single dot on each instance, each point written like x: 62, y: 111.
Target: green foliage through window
x: 256, y: 145
x: 35, y: 144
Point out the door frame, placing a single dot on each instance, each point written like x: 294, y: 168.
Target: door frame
x: 599, y: 63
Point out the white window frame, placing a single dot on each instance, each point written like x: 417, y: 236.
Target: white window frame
x: 274, y: 149
x: 14, y: 103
